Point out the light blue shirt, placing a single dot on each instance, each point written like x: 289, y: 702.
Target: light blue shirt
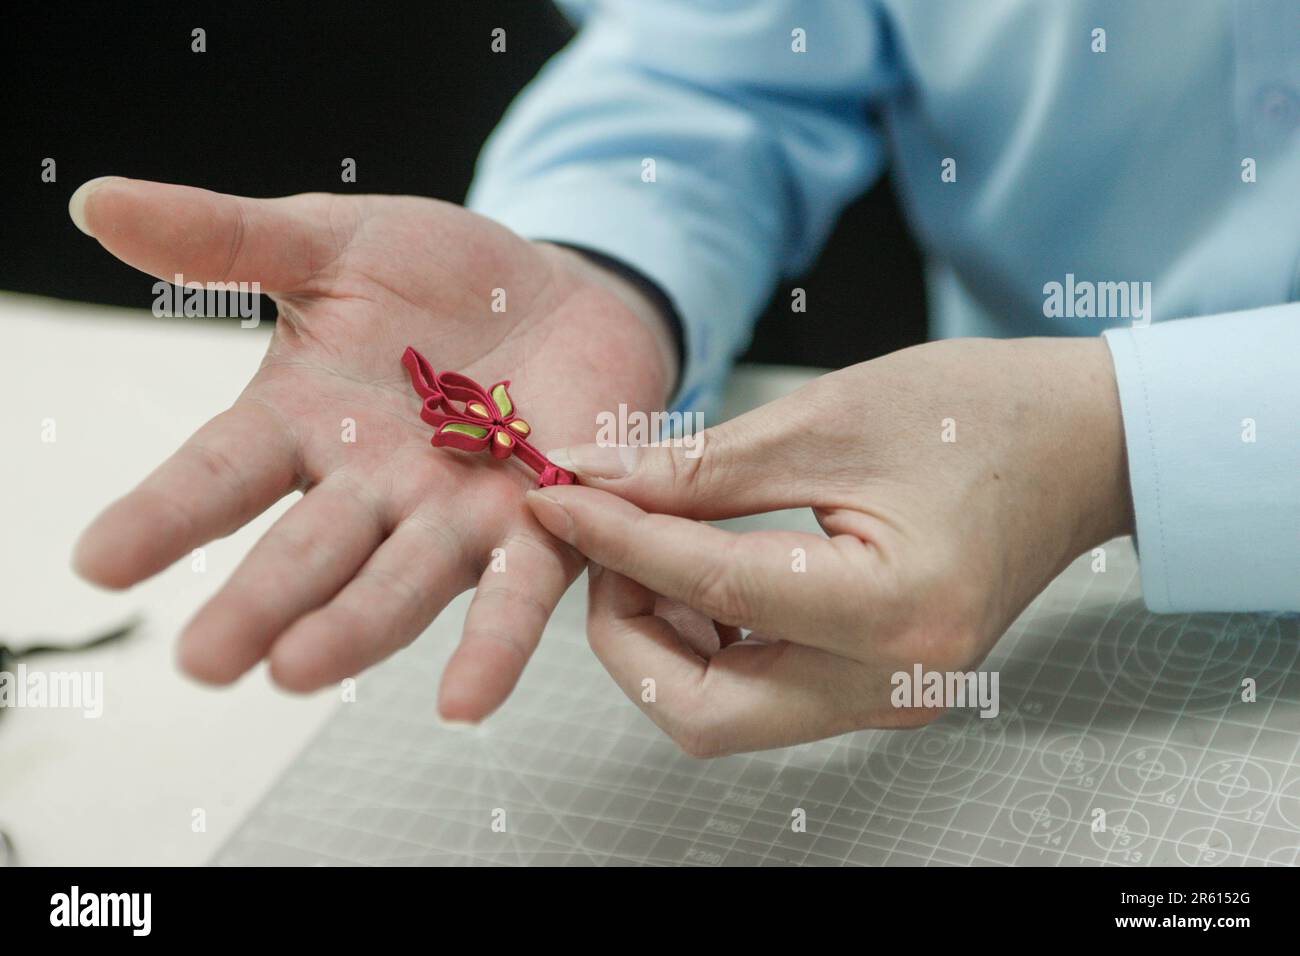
x: 1143, y: 181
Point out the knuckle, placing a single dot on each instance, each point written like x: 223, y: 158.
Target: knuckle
x: 699, y: 739
x: 718, y: 591
x: 533, y: 545
x: 513, y: 600
x: 441, y: 535
x: 390, y: 583
x: 238, y: 230
x: 298, y: 547
x: 504, y: 639
x: 364, y: 493
x: 547, y: 552
x: 681, y: 470
x: 697, y: 727
x: 216, y: 465
x: 697, y: 468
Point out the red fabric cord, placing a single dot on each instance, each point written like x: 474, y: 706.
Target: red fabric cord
x: 486, y: 419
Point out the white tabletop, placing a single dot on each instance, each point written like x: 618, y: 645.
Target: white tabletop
x: 124, y: 389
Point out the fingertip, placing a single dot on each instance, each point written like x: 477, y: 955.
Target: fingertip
x: 457, y: 712
x: 552, y: 514
x: 98, y: 565
x: 111, y: 553
x: 581, y: 501
x: 79, y: 201
x: 195, y: 661
x: 459, y: 726
x: 476, y: 681
x: 301, y: 662
x: 289, y: 675
x: 597, y: 461
x: 205, y: 656
x: 284, y: 666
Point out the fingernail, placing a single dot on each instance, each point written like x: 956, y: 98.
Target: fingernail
x: 77, y: 204
x: 597, y: 461
x: 459, y: 726
x: 552, y: 514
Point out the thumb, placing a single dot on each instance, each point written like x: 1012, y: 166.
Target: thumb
x: 747, y: 465
x: 163, y: 229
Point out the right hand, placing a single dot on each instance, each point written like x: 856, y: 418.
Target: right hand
x: 389, y: 529
x: 933, y: 546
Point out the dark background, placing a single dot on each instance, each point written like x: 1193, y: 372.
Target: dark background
x: 284, y: 93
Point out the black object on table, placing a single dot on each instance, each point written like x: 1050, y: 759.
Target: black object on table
x: 8, y: 856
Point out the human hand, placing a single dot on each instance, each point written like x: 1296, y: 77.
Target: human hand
x: 389, y: 529
x: 934, y: 546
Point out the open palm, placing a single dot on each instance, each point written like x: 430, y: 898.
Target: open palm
x: 389, y: 529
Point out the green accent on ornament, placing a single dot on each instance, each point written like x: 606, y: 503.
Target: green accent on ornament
x: 473, y: 431
x: 502, y: 398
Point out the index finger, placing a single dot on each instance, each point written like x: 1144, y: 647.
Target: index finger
x: 791, y: 585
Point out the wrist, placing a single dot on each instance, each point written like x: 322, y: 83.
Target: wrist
x: 654, y: 315
x: 1091, y: 410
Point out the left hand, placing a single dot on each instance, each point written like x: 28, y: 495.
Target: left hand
x: 388, y: 530
x: 955, y: 480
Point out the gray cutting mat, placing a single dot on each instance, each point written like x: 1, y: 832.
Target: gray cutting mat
x: 1103, y: 706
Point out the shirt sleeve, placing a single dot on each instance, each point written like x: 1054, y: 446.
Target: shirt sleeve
x: 694, y: 142
x: 1211, y: 411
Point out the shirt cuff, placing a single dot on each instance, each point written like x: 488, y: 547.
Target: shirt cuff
x: 1211, y: 411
